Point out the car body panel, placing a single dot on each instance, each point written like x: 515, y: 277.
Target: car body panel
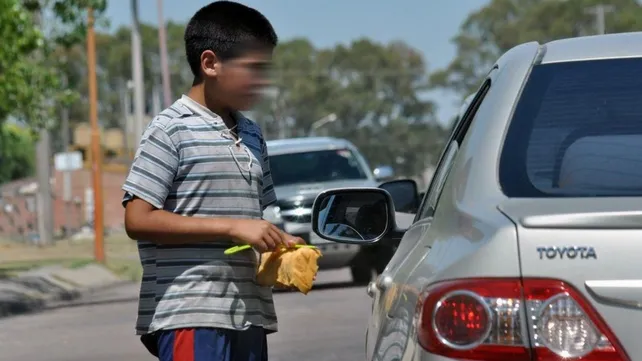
x: 623, y: 45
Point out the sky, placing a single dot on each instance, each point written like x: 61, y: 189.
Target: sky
x: 427, y: 25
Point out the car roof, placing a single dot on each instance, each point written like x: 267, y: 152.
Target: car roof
x: 307, y: 144
x: 621, y: 45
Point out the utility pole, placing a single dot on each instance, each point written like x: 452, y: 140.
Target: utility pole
x: 44, y: 206
x: 43, y: 198
x: 162, y: 41
x: 137, y: 75
x: 96, y: 156
x: 66, y: 175
x: 156, y: 102
x: 125, y: 109
x: 600, y: 12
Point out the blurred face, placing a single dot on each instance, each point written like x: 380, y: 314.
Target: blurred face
x: 237, y: 83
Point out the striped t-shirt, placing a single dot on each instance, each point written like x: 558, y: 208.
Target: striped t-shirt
x: 188, y: 164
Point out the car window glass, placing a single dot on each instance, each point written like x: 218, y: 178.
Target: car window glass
x: 576, y: 132
x: 445, y: 163
x: 315, y: 166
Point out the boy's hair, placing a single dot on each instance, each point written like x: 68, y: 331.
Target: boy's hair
x: 228, y: 29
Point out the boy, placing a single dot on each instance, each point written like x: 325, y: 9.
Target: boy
x: 199, y: 183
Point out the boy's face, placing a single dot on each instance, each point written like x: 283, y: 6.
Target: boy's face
x: 240, y: 81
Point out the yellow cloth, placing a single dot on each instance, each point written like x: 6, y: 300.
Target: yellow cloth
x: 289, y: 268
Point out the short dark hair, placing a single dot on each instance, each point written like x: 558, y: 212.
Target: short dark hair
x: 228, y: 29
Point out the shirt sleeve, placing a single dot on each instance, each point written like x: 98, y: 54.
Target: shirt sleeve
x: 155, y: 165
x: 268, y: 196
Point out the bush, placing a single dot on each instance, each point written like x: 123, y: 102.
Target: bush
x: 17, y: 153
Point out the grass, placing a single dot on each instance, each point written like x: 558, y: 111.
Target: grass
x: 120, y: 251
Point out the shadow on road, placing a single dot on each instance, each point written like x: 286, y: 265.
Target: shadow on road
x: 327, y: 286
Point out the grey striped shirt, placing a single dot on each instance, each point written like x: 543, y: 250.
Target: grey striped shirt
x: 188, y: 164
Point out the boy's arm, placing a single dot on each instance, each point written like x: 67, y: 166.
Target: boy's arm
x: 146, y: 188
x: 144, y: 221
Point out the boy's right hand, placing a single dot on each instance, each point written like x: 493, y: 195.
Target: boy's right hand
x: 261, y: 235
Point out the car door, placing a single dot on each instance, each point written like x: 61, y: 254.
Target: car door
x: 393, y: 305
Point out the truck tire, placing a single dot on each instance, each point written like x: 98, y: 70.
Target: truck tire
x: 361, y: 274
x: 361, y: 267
x: 381, y: 256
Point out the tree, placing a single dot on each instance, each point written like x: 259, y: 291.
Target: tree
x: 503, y: 24
x: 375, y: 91
x: 36, y: 36
x: 32, y: 30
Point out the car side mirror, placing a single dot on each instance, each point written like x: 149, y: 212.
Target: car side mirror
x: 404, y: 195
x: 383, y: 172
x: 353, y: 215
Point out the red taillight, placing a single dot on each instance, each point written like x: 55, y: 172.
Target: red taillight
x: 510, y: 319
x: 461, y: 319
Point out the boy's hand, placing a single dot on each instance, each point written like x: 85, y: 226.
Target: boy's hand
x: 291, y: 241
x: 261, y: 235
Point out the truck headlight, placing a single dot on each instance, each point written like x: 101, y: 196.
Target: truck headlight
x: 272, y: 214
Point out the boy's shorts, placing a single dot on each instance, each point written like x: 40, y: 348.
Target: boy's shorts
x: 208, y: 344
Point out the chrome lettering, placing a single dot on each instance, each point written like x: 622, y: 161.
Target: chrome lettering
x: 567, y: 252
x: 551, y: 252
x: 590, y: 254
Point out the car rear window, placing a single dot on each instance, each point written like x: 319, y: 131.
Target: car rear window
x: 576, y: 132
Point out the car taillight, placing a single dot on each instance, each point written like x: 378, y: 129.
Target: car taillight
x: 512, y: 319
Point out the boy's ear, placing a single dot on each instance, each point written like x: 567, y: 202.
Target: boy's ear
x: 210, y: 64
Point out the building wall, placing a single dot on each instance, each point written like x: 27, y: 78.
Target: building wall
x: 22, y: 218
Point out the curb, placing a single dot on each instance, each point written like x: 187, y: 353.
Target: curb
x: 44, y: 289
x: 82, y: 294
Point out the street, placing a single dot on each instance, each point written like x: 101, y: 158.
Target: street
x: 326, y: 325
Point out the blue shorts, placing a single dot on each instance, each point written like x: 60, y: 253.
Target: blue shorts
x: 208, y: 344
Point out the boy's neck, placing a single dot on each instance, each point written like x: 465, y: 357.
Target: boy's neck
x: 197, y: 93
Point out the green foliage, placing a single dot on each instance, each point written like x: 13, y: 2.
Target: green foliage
x: 374, y: 89
x: 503, y: 24
x: 17, y: 153
x: 17, y: 74
x: 31, y: 85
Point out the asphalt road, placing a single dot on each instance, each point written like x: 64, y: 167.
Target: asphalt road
x: 326, y: 325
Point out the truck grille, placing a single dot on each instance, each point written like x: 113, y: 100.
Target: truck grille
x: 296, y: 210
x: 298, y: 219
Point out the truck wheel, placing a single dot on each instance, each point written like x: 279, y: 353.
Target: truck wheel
x: 382, y: 255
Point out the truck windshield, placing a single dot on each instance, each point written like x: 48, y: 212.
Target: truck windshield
x: 576, y: 132
x: 315, y: 166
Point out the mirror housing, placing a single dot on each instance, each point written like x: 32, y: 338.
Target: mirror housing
x: 404, y: 194
x: 383, y: 172
x: 355, y: 216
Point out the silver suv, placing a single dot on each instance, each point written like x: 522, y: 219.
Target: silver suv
x: 302, y: 168
x: 526, y: 245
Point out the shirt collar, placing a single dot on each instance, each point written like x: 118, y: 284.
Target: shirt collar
x: 199, y: 109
